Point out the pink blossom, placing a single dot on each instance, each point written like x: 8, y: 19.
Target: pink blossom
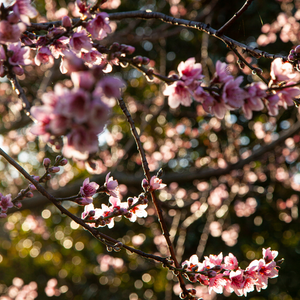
x: 43, y: 56
x: 84, y: 200
x: 25, y: 10
x: 66, y: 22
x: 232, y: 94
x: 92, y: 57
x: 189, y: 71
x: 230, y: 262
x: 80, y: 142
x: 80, y: 42
x: 178, y: 94
x: 213, y: 260
x: 139, y: 211
x: 282, y: 71
x: 269, y: 255
x: 263, y: 271
x: 110, y: 87
x: 236, y: 283
x: 156, y: 183
x: 106, y: 212
x: 222, y: 73
x: 99, y: 26
x: 111, y: 185
x: 88, y: 188
x: 20, y: 54
x: 272, y: 104
x: 84, y: 80
x: 83, y: 8
x: 92, y: 213
x: 78, y: 104
x: 5, y: 203
x: 11, y: 33
x: 98, y: 115
x: 58, y: 46
x: 287, y: 95
x: 253, y: 102
x: 71, y: 63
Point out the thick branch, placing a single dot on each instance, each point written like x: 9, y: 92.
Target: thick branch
x: 173, y: 21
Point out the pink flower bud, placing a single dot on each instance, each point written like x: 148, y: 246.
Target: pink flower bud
x: 46, y: 162
x: 145, y: 184
x: 29, y: 195
x: 66, y: 22
x: 37, y: 178
x: 18, y: 204
x: 130, y: 201
x: 63, y: 162
x: 54, y: 169
x: 32, y: 187
x: 84, y: 200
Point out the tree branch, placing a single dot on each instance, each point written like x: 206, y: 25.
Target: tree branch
x: 234, y: 18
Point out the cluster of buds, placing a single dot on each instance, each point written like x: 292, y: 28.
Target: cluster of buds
x: 294, y: 57
x: 121, y: 49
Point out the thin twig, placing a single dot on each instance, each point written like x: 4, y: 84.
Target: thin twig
x: 153, y: 195
x: 254, y: 69
x: 234, y: 18
x: 20, y: 92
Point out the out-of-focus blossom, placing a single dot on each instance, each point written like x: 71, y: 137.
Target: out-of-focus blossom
x: 99, y: 27
x: 5, y: 204
x: 20, y: 54
x: 218, y: 195
x: 11, y: 33
x: 25, y: 10
x: 80, y: 42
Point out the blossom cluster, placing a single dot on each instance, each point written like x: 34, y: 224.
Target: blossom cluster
x: 132, y: 209
x: 226, y: 275
x: 79, y: 114
x: 224, y: 91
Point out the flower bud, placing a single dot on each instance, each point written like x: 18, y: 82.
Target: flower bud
x: 66, y: 22
x: 129, y: 201
x: 29, y: 195
x: 18, y: 204
x: 32, y: 187
x: 46, y: 162
x: 63, y: 162
x: 54, y: 169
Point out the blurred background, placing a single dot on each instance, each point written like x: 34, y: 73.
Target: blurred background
x: 216, y: 199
